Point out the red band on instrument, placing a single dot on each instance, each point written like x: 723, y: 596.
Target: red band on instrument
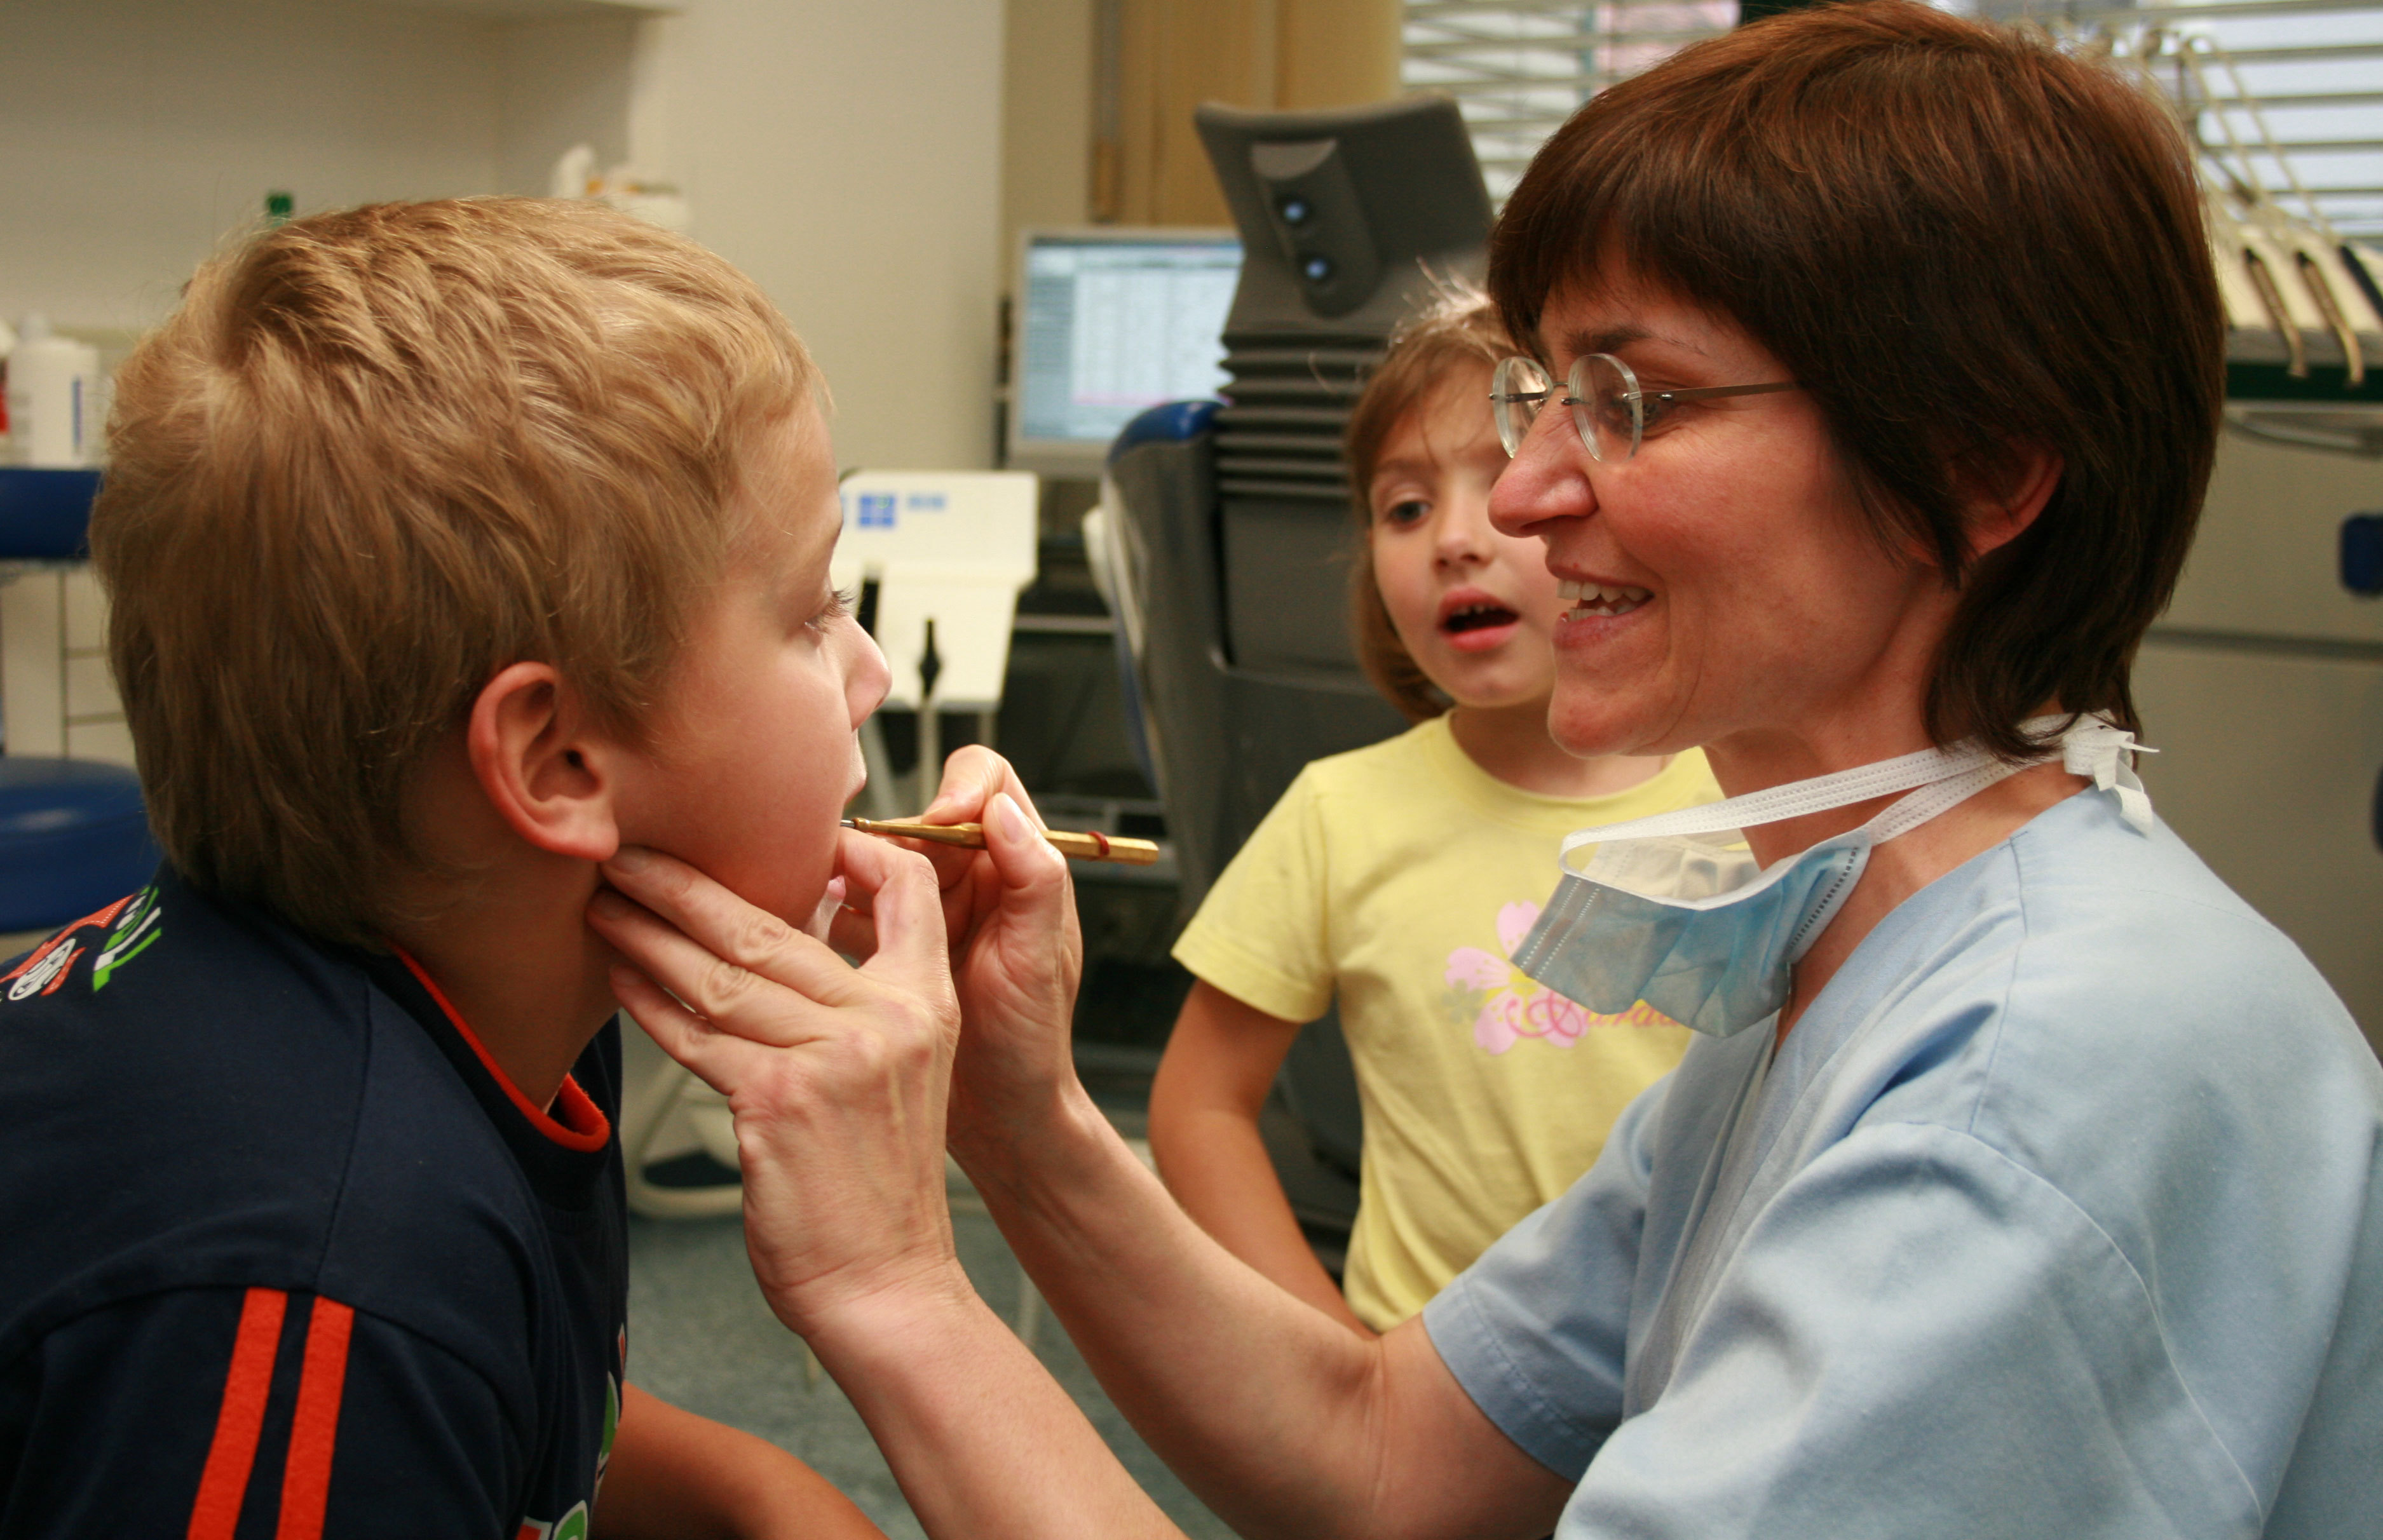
x: 1099, y: 843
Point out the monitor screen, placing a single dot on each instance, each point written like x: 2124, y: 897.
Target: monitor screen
x: 1111, y: 323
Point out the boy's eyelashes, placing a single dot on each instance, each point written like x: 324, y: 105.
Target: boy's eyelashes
x: 1404, y: 510
x: 839, y: 604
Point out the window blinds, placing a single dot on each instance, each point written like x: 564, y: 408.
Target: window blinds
x: 1518, y: 68
x: 2314, y: 69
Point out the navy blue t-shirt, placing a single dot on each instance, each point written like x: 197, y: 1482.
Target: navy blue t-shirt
x: 283, y: 1254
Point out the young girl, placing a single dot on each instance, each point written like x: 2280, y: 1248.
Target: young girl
x: 1400, y: 876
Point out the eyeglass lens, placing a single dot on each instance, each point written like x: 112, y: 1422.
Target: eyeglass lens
x: 1603, y: 396
x: 1516, y: 392
x: 1606, y: 407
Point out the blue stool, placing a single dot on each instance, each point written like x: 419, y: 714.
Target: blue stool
x: 43, y: 514
x: 74, y: 837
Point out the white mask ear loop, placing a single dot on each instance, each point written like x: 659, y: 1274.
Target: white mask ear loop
x: 2104, y: 753
x: 2092, y: 747
x: 2089, y: 747
x: 1795, y: 799
x: 1942, y: 797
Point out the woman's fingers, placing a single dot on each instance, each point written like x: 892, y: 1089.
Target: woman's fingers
x: 717, y: 921
x: 1021, y: 854
x: 830, y: 903
x: 712, y: 986
x: 716, y: 1057
x: 903, y: 907
x: 973, y: 778
x: 717, y: 954
x: 853, y: 934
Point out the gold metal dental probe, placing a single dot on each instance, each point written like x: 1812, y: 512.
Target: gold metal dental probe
x: 1092, y: 845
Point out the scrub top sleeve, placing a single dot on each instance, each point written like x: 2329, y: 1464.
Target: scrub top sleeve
x: 227, y: 1413
x: 1916, y: 1335
x: 1535, y: 1331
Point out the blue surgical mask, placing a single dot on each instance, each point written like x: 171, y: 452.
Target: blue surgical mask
x: 1672, y: 910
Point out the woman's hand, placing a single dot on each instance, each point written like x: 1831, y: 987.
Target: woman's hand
x: 837, y: 1077
x: 1017, y: 954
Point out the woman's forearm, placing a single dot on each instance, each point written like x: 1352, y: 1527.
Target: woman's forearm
x: 1267, y: 1409
x: 984, y: 1443
x: 1217, y: 1168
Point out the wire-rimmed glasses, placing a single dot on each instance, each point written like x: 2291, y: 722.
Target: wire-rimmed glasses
x: 1608, y: 406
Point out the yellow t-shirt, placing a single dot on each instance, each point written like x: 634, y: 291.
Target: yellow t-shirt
x: 1403, y: 876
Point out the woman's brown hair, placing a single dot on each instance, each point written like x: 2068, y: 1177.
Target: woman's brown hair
x: 1964, y: 245
x: 1459, y: 330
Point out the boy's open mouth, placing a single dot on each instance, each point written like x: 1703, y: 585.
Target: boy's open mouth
x: 1477, y: 617
x: 1611, y: 598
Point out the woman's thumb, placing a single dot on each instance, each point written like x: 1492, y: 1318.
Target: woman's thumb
x: 1025, y: 859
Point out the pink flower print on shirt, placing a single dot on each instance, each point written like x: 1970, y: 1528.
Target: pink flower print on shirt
x: 1519, y: 1006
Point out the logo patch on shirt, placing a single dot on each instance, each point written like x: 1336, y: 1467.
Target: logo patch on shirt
x: 44, y: 972
x: 1509, y: 1005
x: 46, y: 967
x: 132, y: 935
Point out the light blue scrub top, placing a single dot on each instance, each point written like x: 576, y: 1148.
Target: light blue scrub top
x: 2059, y: 1214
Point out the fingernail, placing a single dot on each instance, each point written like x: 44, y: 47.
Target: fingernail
x: 1013, y: 821
x: 632, y: 857
x: 610, y: 905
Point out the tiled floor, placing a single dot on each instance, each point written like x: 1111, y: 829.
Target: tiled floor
x: 700, y: 1335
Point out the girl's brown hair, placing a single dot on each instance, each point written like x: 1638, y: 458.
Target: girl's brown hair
x: 1965, y: 244
x: 1459, y: 331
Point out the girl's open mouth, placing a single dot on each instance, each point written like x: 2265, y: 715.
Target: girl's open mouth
x: 1477, y: 617
x: 1478, y: 624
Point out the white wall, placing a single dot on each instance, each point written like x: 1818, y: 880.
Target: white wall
x: 847, y: 154
x: 134, y: 133
x: 1046, y: 176
x: 562, y: 82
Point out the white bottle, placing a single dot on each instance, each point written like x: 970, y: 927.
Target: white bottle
x: 53, y: 397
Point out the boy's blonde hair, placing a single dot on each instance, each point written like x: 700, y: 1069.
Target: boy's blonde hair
x: 1459, y: 327
x: 379, y: 456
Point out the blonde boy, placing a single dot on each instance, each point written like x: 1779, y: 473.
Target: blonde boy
x: 450, y: 546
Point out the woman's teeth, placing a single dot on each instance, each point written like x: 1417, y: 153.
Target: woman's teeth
x: 1589, y: 598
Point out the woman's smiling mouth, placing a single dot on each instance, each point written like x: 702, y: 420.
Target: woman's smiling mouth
x: 1600, y: 599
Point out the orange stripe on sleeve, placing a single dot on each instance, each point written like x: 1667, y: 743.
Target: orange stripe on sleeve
x: 315, y: 1426
x: 225, y: 1481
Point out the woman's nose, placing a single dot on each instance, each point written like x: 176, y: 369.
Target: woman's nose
x: 1547, y: 480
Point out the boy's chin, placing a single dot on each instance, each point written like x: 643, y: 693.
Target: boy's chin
x: 796, y: 897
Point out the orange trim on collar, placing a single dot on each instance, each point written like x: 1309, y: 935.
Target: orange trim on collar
x: 581, y: 1126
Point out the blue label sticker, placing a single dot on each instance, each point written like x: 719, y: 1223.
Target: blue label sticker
x: 876, y: 510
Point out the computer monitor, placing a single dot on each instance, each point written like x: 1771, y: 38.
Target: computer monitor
x: 1111, y: 322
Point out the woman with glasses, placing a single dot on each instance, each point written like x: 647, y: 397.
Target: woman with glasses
x: 2021, y: 1182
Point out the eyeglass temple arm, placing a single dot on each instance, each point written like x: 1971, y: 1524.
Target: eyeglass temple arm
x: 1708, y: 392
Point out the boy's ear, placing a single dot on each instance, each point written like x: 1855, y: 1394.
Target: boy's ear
x: 547, y: 774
